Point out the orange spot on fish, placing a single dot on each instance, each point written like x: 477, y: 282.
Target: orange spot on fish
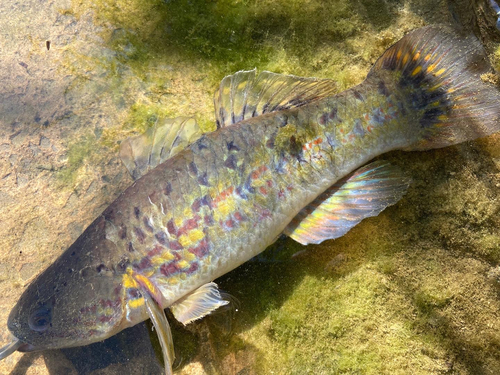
x: 263, y: 190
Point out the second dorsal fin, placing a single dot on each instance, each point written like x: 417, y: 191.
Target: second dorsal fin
x: 245, y: 94
x: 163, y: 140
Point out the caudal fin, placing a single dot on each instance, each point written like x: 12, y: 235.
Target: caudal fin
x: 440, y: 75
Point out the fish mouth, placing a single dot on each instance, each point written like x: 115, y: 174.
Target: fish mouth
x: 11, y: 347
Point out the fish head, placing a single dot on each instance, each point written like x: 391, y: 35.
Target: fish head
x: 74, y: 302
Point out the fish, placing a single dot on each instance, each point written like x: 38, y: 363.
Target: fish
x: 290, y: 156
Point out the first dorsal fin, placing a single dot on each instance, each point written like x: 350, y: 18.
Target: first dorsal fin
x: 160, y: 142
x: 245, y: 94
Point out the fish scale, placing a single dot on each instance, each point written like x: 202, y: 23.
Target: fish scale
x: 288, y: 157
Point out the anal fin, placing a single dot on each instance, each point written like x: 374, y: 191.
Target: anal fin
x: 364, y: 193
x: 198, y: 304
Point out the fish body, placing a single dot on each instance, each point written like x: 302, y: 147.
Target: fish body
x: 229, y: 194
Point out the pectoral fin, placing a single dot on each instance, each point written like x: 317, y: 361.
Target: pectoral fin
x: 157, y: 316
x: 365, y: 193
x: 198, y: 304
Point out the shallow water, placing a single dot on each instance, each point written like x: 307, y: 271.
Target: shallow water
x: 416, y: 288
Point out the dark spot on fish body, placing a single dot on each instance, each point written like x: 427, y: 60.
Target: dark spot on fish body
x: 143, y: 264
x: 47, y: 45
x: 202, y: 249
x: 122, y: 232
x: 193, y: 268
x: 231, y: 162
x: 358, y: 128
x: 130, y: 247
x: 108, y: 214
x: 248, y: 186
x: 270, y: 142
x: 161, y: 237
x: 174, y: 245
x: 133, y: 293
x: 168, y: 189
x: 231, y: 146
x: 333, y: 115
x: 193, y: 169
x: 171, y: 227
x: 323, y: 119
x: 105, y: 318
x: 203, y: 179
x: 141, y: 236
x: 208, y: 220
x: 147, y: 224
x: 382, y: 89
x: 123, y: 264
x: 157, y: 250
x: 358, y: 95
x: 189, y: 225
x: 101, y: 268
x: 137, y: 212
x: 169, y: 268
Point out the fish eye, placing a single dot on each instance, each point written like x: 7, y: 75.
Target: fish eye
x: 40, y: 319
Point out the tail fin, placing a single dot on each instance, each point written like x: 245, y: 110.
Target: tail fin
x: 440, y: 75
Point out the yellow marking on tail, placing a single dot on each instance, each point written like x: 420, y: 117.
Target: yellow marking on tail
x: 427, y: 57
x: 431, y: 67
x: 439, y: 72
x: 417, y: 70
x: 398, y: 56
x: 416, y: 57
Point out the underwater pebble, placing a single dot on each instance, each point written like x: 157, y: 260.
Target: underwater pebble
x: 494, y: 274
x: 44, y: 142
x: 4, y: 147
x: 22, y: 180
